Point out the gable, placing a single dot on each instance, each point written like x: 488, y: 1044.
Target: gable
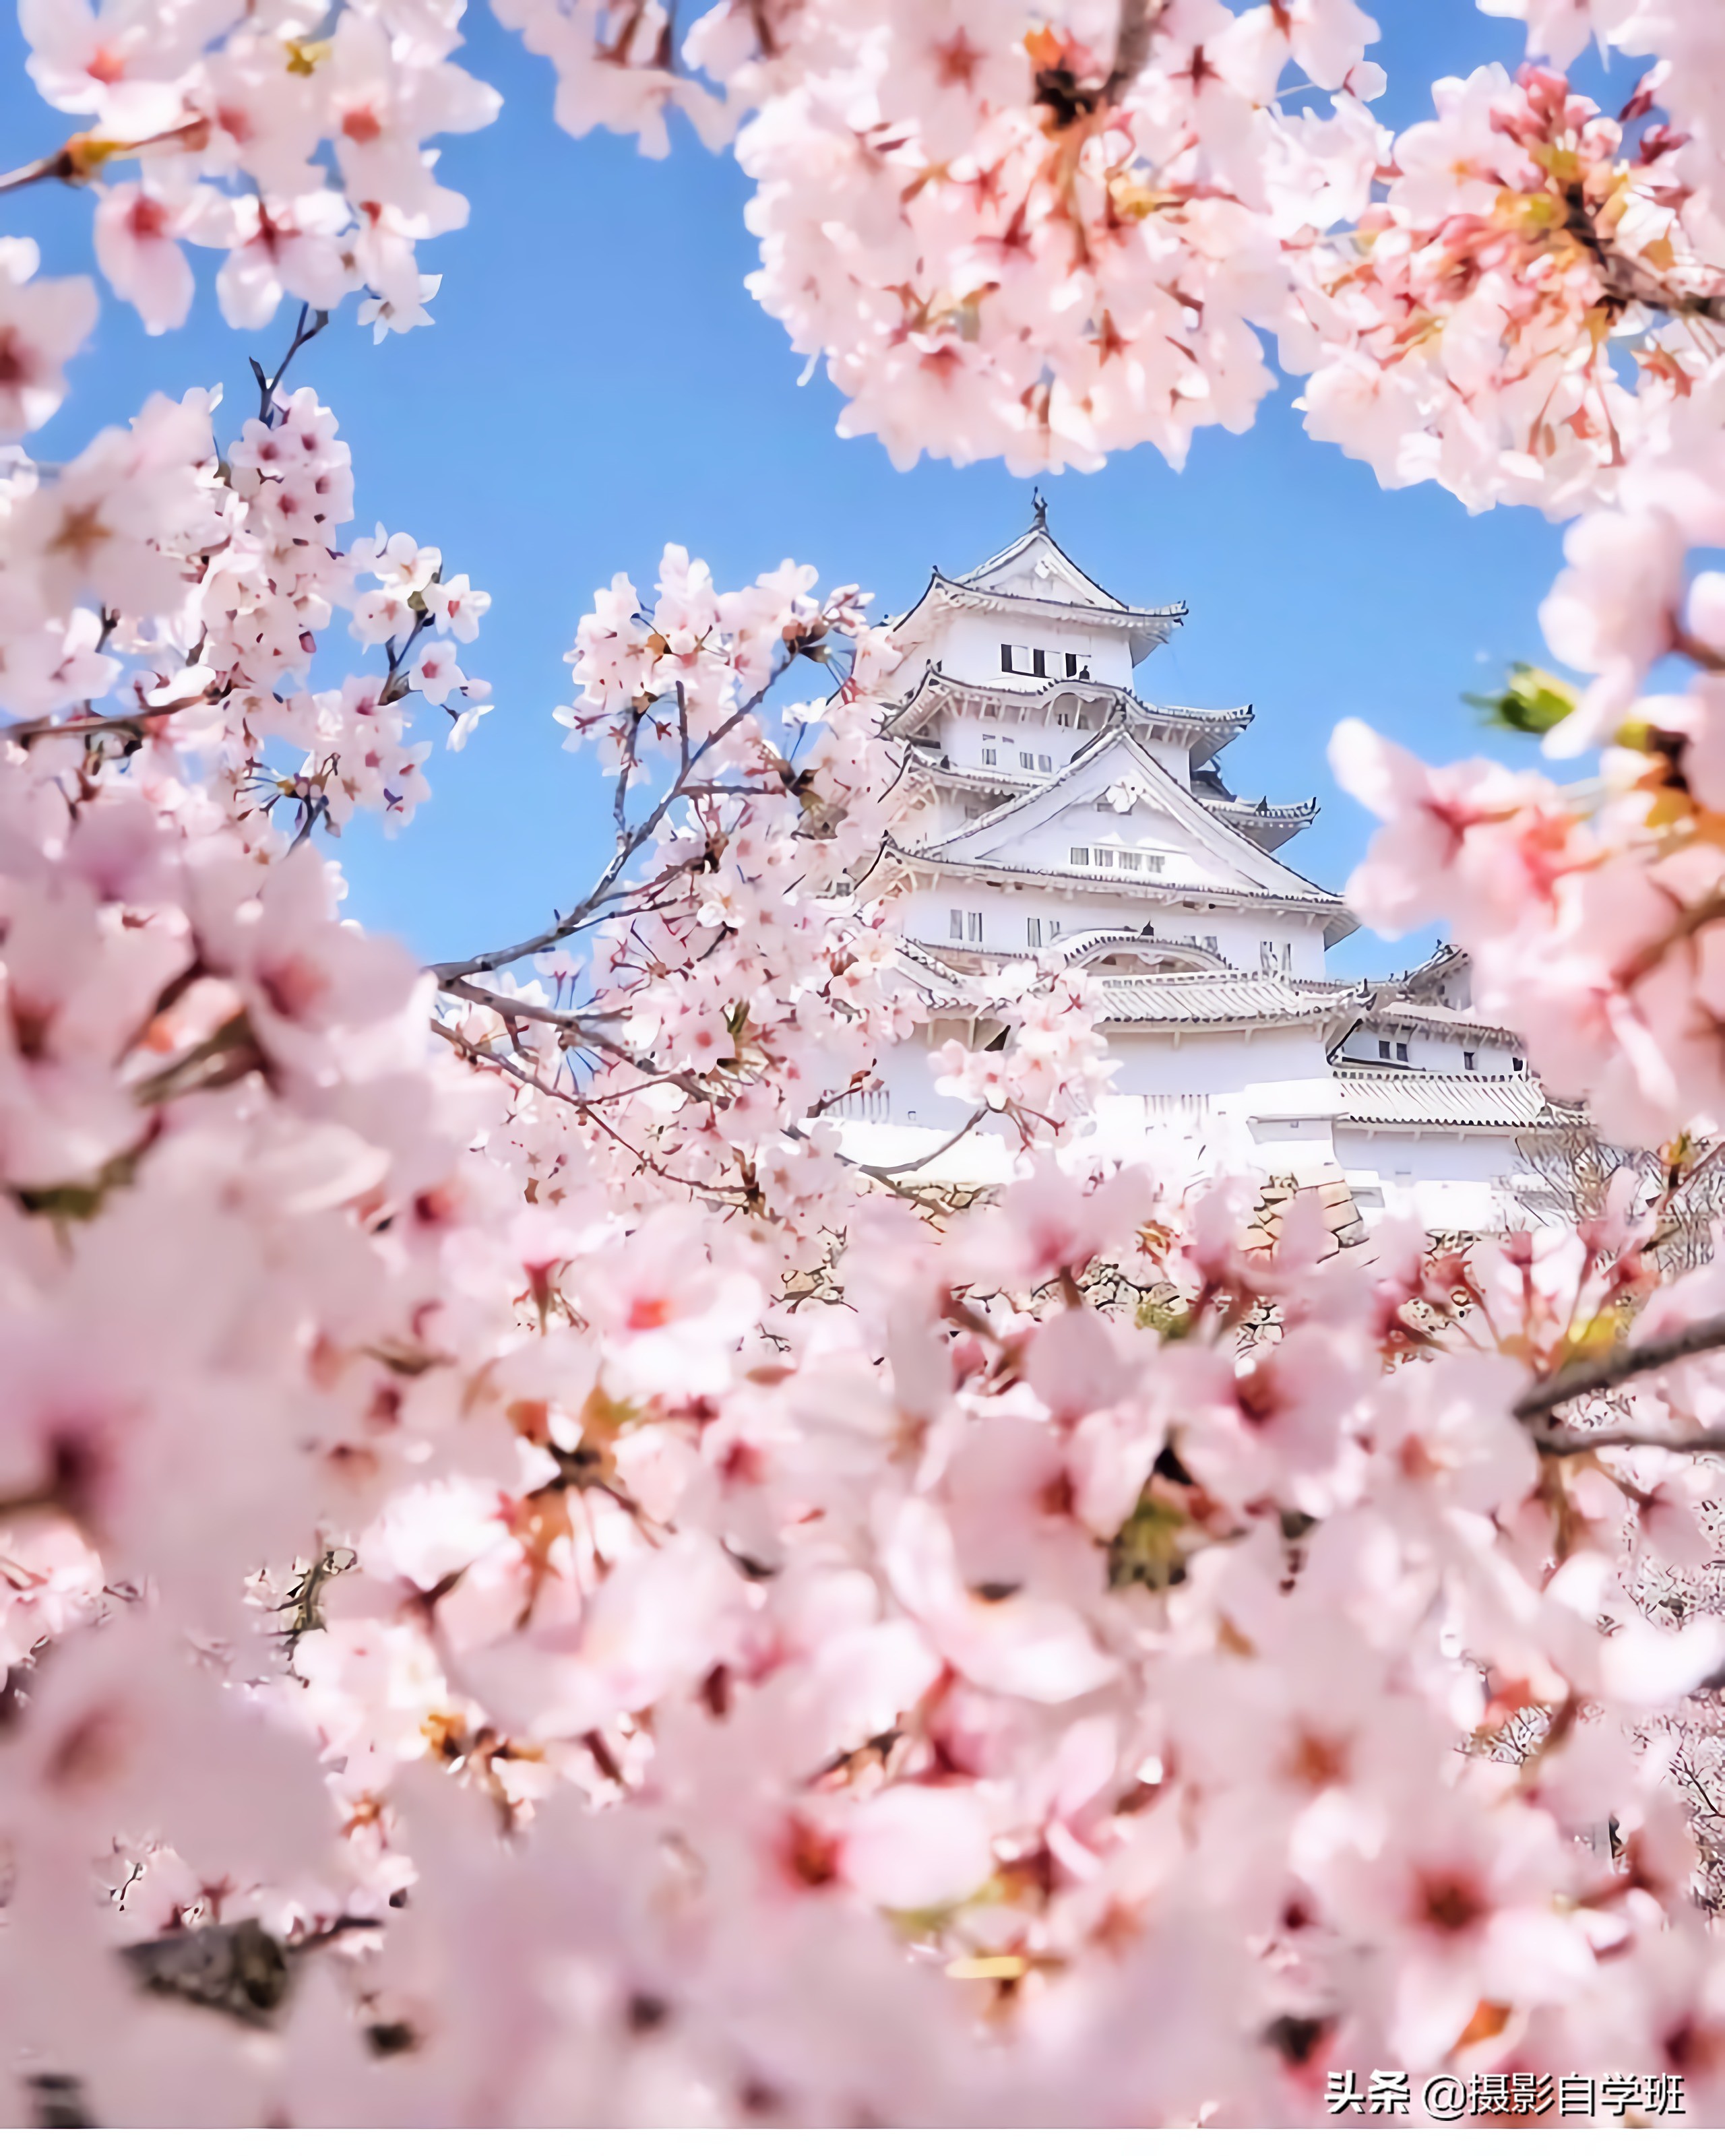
x: 1115, y: 797
x: 1035, y: 567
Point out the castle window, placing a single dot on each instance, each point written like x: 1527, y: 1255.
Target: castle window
x: 1384, y: 1051
x: 973, y: 921
x: 1401, y: 1052
x: 1033, y: 932
x: 958, y: 919
x: 1027, y: 760
x: 1468, y: 1059
x: 1154, y: 864
x: 1044, y: 763
x: 1517, y: 1063
x: 1081, y: 857
x: 1133, y: 861
x: 988, y: 755
x: 1208, y: 942
x: 1078, y: 666
x: 1104, y: 856
x: 1006, y: 659
x: 1053, y: 931
x: 1039, y: 662
x: 1019, y: 658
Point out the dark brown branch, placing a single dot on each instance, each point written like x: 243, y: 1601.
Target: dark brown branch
x: 1131, y: 46
x: 1562, y: 1443
x: 141, y: 723
x: 80, y: 157
x: 1605, y: 1371
x: 268, y: 384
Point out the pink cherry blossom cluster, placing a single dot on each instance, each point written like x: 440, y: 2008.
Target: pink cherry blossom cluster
x: 223, y: 107
x: 1053, y: 1068
x: 1045, y: 239
x: 1036, y: 236
x: 1466, y: 330
x: 729, y: 985
x: 155, y: 594
x: 1593, y: 911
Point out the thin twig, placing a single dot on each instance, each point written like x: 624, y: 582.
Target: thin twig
x: 890, y: 1175
x: 572, y: 1025
x: 631, y: 839
x: 477, y: 1051
x: 268, y: 385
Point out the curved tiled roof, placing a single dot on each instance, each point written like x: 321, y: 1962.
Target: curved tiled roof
x: 991, y: 780
x: 1440, y: 1019
x: 1108, y: 610
x: 1268, y: 823
x: 1311, y: 900
x: 1216, y: 728
x: 1449, y: 1100
x: 1220, y: 999
x: 1085, y: 946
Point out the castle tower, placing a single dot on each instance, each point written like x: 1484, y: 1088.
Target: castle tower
x: 1050, y: 810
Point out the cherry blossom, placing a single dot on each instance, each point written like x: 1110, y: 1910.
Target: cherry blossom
x: 1474, y: 328
x: 43, y: 322
x: 535, y: 1589
x: 225, y: 109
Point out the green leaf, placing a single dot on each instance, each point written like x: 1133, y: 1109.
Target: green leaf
x: 1532, y: 702
x: 1150, y: 1549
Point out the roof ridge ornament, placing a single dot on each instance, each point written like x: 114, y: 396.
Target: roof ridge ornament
x: 1039, y: 510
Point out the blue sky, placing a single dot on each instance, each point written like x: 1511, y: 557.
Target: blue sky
x: 598, y: 383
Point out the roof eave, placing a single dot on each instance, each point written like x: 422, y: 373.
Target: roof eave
x: 1269, y: 902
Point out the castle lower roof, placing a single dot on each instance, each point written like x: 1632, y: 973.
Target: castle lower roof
x: 1442, y: 1100
x: 1222, y: 999
x: 1206, y: 730
x: 1439, y: 1020
x: 1311, y: 902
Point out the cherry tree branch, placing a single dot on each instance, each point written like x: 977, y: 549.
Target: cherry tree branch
x: 141, y: 723
x: 1131, y: 45
x: 268, y: 385
x: 574, y: 1026
x: 630, y: 838
x: 888, y: 1175
x: 80, y: 157
x: 1605, y: 1371
x: 1567, y: 1444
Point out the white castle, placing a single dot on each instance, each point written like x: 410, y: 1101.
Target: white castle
x: 1048, y: 810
